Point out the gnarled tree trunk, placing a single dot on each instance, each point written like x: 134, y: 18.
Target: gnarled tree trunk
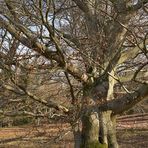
x: 98, y: 127
x: 98, y: 131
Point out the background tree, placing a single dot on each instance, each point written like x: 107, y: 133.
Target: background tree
x: 94, y: 46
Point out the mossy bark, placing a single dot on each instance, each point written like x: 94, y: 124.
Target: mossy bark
x: 95, y: 144
x: 97, y: 134
x: 90, y: 130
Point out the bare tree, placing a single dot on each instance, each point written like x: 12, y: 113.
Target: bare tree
x: 94, y: 44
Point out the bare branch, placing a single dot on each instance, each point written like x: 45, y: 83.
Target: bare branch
x: 132, y: 53
x: 31, y: 42
x: 49, y: 104
x: 126, y: 102
x: 82, y: 5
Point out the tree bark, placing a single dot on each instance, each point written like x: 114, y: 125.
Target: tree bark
x: 107, y: 134
x: 103, y: 128
x: 77, y: 135
x: 112, y: 139
x: 98, y: 131
x: 90, y: 130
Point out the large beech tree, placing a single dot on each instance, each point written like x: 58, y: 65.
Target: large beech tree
x: 98, y: 45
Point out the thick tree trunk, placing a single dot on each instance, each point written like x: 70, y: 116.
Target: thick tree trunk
x: 77, y: 139
x: 98, y: 131
x: 77, y: 135
x: 112, y: 139
x: 90, y: 130
x: 98, y: 127
x: 103, y: 128
x: 90, y: 120
x: 107, y: 134
x: 108, y: 130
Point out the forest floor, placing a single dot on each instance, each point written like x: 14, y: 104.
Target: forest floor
x: 132, y: 132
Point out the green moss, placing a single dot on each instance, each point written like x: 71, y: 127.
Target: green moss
x: 103, y: 145
x: 95, y: 144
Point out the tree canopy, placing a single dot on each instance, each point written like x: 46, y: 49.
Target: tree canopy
x: 76, y: 51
